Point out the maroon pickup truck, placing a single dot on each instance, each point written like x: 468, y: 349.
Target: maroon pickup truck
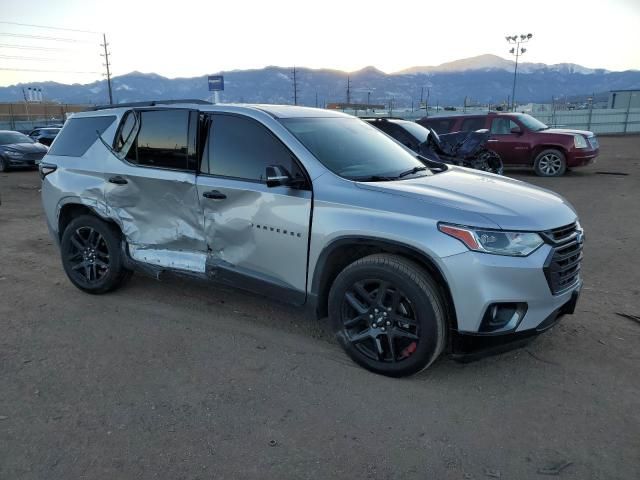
x: 521, y: 140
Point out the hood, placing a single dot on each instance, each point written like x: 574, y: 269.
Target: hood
x: 568, y: 131
x: 511, y: 204
x: 25, y: 147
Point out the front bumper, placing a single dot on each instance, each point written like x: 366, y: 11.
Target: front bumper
x: 470, y: 346
x: 581, y: 157
x: 22, y: 162
x: 478, y: 280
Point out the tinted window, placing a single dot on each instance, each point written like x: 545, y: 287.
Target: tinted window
x: 440, y: 126
x: 415, y: 130
x: 502, y: 126
x: 79, y: 134
x: 162, y: 140
x: 401, y: 135
x: 472, y: 124
x: 242, y: 148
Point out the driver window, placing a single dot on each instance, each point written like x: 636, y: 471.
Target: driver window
x: 242, y: 148
x: 502, y: 126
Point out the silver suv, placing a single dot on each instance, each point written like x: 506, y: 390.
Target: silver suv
x: 408, y: 258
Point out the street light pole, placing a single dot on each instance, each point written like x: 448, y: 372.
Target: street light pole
x: 517, y: 40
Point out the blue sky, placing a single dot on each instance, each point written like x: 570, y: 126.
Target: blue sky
x: 189, y: 38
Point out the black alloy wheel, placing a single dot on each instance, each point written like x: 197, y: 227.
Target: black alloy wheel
x: 89, y: 255
x: 388, y: 314
x: 379, y: 321
x: 92, y: 256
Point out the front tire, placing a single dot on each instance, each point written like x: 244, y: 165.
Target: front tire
x: 3, y: 165
x: 388, y: 314
x: 550, y: 163
x: 91, y: 255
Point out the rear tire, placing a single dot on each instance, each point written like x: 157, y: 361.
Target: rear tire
x: 388, y: 314
x: 3, y: 165
x: 550, y: 163
x: 91, y: 255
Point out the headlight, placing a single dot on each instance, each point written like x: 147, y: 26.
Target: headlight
x: 11, y: 153
x: 498, y: 242
x: 579, y: 141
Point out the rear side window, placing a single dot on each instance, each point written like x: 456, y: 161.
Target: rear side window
x: 472, y: 124
x: 162, y: 141
x: 242, y: 148
x: 441, y: 125
x: 79, y: 134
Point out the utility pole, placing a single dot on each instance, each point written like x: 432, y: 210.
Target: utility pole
x: 348, y: 89
x: 426, y: 103
x: 316, y: 99
x: 368, y: 98
x: 107, y: 65
x: 295, y: 88
x: 517, y: 51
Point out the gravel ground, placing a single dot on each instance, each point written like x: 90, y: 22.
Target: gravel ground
x: 180, y: 379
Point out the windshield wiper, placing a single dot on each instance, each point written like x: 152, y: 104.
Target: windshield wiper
x: 373, y: 178
x: 412, y: 171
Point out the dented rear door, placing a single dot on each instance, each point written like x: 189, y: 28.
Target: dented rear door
x: 151, y: 192
x: 257, y: 237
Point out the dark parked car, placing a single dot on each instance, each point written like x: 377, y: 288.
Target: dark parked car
x: 44, y: 135
x: 18, y: 150
x: 465, y: 149
x: 521, y: 140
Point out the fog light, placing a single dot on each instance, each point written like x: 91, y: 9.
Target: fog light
x: 501, y: 317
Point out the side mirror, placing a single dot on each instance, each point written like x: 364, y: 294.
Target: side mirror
x: 516, y: 130
x: 277, y: 175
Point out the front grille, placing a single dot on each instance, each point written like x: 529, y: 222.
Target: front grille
x: 562, y: 267
x: 593, y: 141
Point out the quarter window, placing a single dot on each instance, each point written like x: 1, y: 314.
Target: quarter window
x: 242, y: 148
x: 79, y: 134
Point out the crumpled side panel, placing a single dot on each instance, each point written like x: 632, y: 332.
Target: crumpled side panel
x: 161, y: 218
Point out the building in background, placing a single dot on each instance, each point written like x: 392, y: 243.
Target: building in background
x: 624, y: 98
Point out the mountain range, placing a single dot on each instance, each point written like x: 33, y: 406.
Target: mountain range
x: 481, y: 79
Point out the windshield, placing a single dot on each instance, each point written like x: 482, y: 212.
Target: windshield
x: 532, y: 123
x: 7, y: 138
x: 354, y: 149
x: 418, y: 131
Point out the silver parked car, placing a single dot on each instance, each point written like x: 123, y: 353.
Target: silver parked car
x: 407, y: 258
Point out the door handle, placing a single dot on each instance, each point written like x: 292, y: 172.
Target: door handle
x: 214, y: 194
x: 118, y: 180
x: 492, y: 140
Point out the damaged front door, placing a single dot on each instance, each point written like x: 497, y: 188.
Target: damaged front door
x: 151, y: 188
x: 257, y: 236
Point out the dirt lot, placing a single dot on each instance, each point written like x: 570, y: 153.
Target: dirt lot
x: 180, y: 379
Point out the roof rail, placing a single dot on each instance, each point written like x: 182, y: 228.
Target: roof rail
x: 150, y: 103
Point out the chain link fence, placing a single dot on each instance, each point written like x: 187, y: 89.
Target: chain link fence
x: 24, y: 117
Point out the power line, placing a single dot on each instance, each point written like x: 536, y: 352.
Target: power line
x: 48, y: 49
x: 37, y: 70
x: 40, y: 59
x: 50, y: 28
x: 42, y: 37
